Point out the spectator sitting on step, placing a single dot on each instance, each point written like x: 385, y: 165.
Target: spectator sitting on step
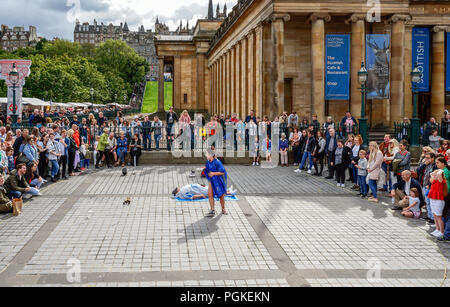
x: 413, y: 210
x: 6, y: 204
x: 16, y: 185
x: 402, y: 189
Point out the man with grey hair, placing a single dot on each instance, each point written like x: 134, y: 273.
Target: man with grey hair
x: 401, y: 190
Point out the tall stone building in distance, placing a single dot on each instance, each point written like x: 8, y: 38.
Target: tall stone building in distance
x: 17, y: 37
x: 142, y: 40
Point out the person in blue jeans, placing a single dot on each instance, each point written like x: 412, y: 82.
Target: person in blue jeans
x: 122, y: 148
x: 157, y: 130
x: 310, y: 147
x: 362, y: 173
x: 54, y: 153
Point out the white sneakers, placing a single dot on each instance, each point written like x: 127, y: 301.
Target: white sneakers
x: 437, y: 234
x: 309, y: 172
x: 298, y: 171
x: 339, y: 185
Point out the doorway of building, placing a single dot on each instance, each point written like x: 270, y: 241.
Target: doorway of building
x: 424, y: 106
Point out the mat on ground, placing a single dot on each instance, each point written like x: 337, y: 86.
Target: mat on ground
x: 227, y: 198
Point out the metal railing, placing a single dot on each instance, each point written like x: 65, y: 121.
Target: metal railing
x: 402, y: 131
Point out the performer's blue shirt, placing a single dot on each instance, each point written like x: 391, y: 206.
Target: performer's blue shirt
x: 218, y: 183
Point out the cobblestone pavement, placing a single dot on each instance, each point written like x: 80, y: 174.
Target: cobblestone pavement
x: 286, y: 230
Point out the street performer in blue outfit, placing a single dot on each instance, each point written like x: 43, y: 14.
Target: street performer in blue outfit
x: 217, y: 177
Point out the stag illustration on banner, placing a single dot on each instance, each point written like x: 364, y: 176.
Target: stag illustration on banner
x: 377, y: 59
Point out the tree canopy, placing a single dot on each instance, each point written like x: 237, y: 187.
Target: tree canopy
x: 63, y: 71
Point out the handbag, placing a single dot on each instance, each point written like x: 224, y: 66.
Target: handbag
x: 22, y: 159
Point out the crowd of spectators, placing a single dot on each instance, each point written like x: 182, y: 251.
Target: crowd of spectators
x: 54, y: 150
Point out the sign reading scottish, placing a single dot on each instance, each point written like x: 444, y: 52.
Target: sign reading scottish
x: 447, y: 87
x: 377, y: 59
x: 421, y: 56
x: 337, y: 67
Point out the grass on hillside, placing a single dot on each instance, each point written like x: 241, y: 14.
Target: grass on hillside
x: 150, y: 104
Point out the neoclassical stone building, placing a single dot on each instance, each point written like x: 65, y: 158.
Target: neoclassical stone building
x: 270, y: 56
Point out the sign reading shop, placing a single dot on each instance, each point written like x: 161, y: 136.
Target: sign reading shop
x: 337, y: 78
x: 421, y: 56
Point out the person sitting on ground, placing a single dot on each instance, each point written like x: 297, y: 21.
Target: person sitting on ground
x: 16, y: 184
x: 402, y: 189
x: 413, y: 210
x: 6, y: 205
x: 32, y: 176
x: 196, y: 191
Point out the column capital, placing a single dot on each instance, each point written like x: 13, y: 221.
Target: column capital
x: 441, y: 28
x: 316, y: 16
x: 355, y: 18
x: 250, y: 33
x: 284, y: 17
x: 398, y: 17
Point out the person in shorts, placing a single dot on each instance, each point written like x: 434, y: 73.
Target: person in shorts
x: 437, y: 195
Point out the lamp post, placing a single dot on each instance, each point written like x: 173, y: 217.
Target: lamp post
x: 14, y: 79
x: 416, y: 76
x: 92, y: 98
x: 124, y: 99
x: 362, y: 78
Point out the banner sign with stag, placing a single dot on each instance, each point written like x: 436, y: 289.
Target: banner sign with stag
x: 377, y: 62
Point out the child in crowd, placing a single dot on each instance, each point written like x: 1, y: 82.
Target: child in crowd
x: 267, y: 149
x: 11, y: 162
x: 97, y: 139
x: 83, y: 151
x: 362, y: 173
x: 255, y: 152
x: 438, y: 192
x: 87, y: 158
x: 413, y: 210
x: 447, y: 155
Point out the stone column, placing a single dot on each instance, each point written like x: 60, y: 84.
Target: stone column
x: 318, y: 64
x: 161, y: 85
x: 278, y: 40
x: 200, y: 104
x: 232, y: 80
x: 397, y: 68
x: 250, y: 76
x: 408, y: 108
x: 177, y: 83
x: 223, y: 102
x: 357, y: 55
x: 228, y: 83
x: 244, y: 89
x: 238, y: 72
x: 258, y: 70
x: 438, y: 73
